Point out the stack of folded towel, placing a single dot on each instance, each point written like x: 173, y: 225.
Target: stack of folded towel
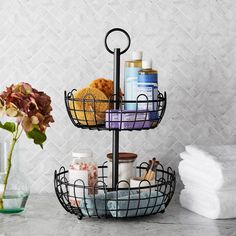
x: 209, y: 177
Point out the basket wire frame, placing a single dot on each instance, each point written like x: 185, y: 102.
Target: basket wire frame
x: 154, y: 116
x: 137, y: 206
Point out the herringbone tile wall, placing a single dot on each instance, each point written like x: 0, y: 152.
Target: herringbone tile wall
x: 58, y: 44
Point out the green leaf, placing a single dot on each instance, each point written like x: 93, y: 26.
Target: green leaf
x: 9, y: 126
x: 38, y: 137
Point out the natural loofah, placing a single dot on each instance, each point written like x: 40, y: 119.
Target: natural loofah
x: 104, y: 85
x: 89, y: 112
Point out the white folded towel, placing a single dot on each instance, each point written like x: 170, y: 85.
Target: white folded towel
x: 222, y: 157
x: 212, y: 164
x: 206, y: 176
x: 221, y: 205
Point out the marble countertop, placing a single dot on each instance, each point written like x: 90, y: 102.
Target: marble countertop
x: 45, y: 216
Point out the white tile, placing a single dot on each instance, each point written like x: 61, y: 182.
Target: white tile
x: 59, y: 45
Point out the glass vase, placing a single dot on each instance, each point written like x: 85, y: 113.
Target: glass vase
x: 17, y: 188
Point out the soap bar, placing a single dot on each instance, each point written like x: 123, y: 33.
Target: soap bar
x: 132, y: 119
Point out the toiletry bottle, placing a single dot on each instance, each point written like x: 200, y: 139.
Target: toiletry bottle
x: 147, y: 84
x: 82, y: 171
x: 131, y: 75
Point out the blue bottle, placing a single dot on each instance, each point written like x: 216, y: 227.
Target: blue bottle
x: 147, y: 84
x: 131, y: 76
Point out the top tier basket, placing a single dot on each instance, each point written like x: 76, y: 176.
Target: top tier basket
x: 115, y: 200
x: 138, y: 119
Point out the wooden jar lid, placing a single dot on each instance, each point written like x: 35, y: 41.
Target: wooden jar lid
x: 125, y: 156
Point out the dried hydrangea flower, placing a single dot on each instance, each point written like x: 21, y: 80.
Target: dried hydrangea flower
x: 31, y: 107
x: 32, y: 110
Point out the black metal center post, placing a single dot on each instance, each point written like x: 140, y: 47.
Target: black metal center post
x: 115, y: 133
x: 116, y: 79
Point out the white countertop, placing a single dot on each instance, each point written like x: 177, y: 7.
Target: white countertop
x: 45, y: 216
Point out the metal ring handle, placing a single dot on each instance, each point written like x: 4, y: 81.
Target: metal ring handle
x: 121, y: 30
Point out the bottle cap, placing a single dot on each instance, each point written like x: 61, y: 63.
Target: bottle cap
x: 147, y: 64
x: 137, y: 55
x: 82, y: 154
x: 125, y: 156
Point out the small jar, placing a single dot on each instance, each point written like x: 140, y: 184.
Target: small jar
x: 126, y: 168
x: 83, y: 169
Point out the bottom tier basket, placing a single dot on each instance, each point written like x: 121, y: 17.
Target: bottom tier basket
x: 121, y: 203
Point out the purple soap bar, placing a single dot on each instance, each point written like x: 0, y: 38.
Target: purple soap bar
x: 130, y: 119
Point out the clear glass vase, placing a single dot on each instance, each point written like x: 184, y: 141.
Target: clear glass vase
x: 17, y: 188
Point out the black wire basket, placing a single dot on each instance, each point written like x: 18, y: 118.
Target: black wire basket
x: 102, y: 201
x: 84, y: 112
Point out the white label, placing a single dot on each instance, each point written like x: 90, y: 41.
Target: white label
x: 150, y: 90
x: 78, y: 175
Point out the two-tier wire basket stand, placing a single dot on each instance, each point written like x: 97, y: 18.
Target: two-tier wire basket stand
x: 115, y: 201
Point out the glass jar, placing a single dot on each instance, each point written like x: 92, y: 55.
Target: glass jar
x: 17, y: 188
x: 126, y: 168
x: 83, y: 172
